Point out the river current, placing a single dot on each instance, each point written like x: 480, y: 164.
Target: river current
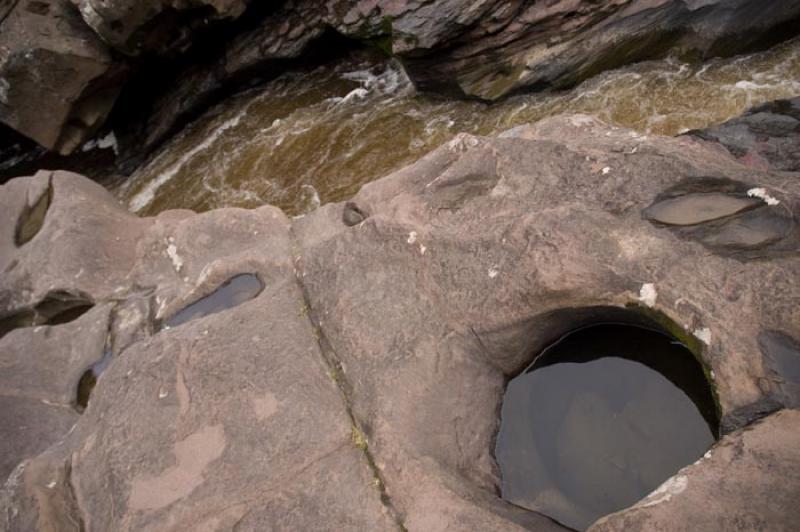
x: 317, y: 136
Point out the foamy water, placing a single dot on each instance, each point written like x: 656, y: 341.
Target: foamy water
x: 310, y: 138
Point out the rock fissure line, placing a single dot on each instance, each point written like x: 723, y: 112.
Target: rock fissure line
x: 335, y: 373
x: 76, y: 510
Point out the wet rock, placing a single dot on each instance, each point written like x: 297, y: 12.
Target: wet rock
x: 485, y: 50
x: 233, y: 292
x: 729, y: 217
x: 748, y: 481
x: 764, y: 137
x: 58, y: 80
x: 431, y: 310
x: 32, y: 217
x: 694, y: 209
x: 38, y: 384
x: 555, y: 46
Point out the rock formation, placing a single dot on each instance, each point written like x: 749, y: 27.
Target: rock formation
x: 140, y: 26
x: 484, y: 50
x: 360, y: 388
x: 58, y: 80
x: 764, y: 137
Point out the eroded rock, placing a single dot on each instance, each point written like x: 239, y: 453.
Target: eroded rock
x: 485, y: 50
x: 727, y: 216
x: 41, y: 370
x: 58, y: 80
x: 136, y: 26
x: 360, y: 389
x: 764, y: 137
x: 748, y: 481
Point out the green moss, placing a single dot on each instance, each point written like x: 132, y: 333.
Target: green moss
x: 359, y: 438
x: 691, y: 342
x: 498, y: 85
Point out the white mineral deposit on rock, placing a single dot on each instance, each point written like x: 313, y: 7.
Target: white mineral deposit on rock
x: 648, y: 294
x: 762, y: 193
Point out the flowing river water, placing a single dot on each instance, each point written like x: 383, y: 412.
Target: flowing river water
x: 317, y: 136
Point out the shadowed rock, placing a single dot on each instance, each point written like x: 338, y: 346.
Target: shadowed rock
x: 58, y: 80
x: 728, y: 217
x: 764, y: 137
x: 32, y: 217
x: 695, y: 209
x: 55, y: 309
x: 141, y: 26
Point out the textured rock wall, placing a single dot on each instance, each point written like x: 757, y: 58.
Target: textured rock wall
x: 67, y: 58
x: 58, y: 80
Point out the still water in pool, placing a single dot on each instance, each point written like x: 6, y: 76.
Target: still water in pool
x: 600, y: 420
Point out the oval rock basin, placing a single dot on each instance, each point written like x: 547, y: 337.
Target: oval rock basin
x: 600, y: 420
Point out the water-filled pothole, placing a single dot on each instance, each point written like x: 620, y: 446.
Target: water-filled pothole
x: 600, y: 419
x: 233, y: 292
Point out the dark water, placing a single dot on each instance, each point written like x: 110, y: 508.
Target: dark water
x: 600, y: 420
x: 89, y: 380
x: 233, y: 292
x: 56, y: 308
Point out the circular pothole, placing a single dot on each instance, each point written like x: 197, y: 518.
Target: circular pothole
x: 600, y: 419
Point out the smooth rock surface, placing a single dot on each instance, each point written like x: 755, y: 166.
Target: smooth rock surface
x: 226, y: 420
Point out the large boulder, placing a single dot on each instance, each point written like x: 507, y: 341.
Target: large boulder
x: 504, y: 47
x: 136, y: 26
x: 359, y: 386
x: 58, y: 80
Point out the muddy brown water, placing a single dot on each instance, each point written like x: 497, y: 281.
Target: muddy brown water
x: 600, y: 420
x: 314, y: 137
